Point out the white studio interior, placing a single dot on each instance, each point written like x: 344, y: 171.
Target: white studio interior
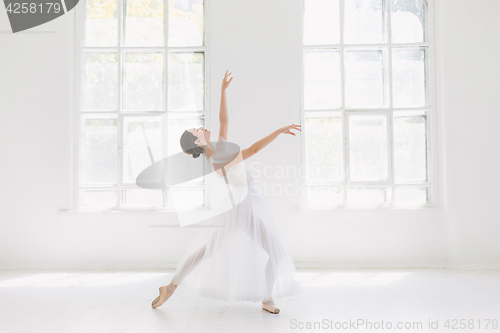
x: 383, y: 188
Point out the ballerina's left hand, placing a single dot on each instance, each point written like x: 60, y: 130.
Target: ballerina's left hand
x: 225, y: 83
x: 287, y: 129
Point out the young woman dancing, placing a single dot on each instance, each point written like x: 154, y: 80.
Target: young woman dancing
x: 242, y: 258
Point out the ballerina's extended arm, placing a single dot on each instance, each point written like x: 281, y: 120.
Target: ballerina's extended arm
x: 223, y: 114
x: 259, y: 145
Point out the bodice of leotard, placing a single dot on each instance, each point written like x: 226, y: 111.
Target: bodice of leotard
x: 237, y: 175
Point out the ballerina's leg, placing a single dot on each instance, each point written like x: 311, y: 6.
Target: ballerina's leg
x: 265, y: 243
x: 187, y: 265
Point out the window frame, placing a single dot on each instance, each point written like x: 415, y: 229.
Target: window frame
x: 429, y: 111
x: 78, y: 91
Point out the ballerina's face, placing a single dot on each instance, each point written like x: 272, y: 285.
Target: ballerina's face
x: 202, y: 134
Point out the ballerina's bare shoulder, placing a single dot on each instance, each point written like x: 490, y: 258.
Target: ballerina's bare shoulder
x: 239, y: 159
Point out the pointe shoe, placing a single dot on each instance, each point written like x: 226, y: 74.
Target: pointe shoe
x: 269, y: 306
x: 165, y: 293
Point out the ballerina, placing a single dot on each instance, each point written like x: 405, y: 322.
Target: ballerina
x: 244, y: 257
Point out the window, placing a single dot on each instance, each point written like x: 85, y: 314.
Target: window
x: 140, y: 82
x: 367, y: 103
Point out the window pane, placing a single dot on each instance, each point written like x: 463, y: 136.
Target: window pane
x: 100, y: 150
x: 410, y: 196
x: 322, y: 80
x: 368, y: 148
x: 408, y: 73
x: 185, y: 23
x: 186, y: 81
x: 101, y: 81
x: 366, y: 196
x: 101, y: 23
x: 365, y: 81
x: 321, y: 22
x: 142, y: 198
x: 139, y: 132
x: 324, y: 196
x: 99, y: 198
x: 408, y: 21
x: 410, y: 162
x: 177, y: 126
x: 185, y: 198
x: 144, y: 23
x: 144, y: 86
x: 364, y: 21
x: 324, y: 149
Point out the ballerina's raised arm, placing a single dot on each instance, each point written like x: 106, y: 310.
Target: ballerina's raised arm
x: 223, y: 114
x: 224, y: 125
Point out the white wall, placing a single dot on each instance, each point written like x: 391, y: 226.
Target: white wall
x: 470, y: 70
x: 259, y: 42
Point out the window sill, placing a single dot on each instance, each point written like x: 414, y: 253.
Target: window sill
x: 135, y: 211
x: 369, y: 208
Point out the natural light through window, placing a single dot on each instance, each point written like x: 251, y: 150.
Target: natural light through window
x: 367, y: 103
x: 140, y: 83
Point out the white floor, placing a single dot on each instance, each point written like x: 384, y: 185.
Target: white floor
x: 118, y: 301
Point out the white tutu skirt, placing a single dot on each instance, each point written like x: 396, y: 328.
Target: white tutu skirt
x: 242, y: 257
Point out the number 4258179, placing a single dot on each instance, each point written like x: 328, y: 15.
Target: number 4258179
x: 27, y: 7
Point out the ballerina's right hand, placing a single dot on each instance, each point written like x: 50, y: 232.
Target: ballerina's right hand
x: 287, y: 129
x: 226, y: 83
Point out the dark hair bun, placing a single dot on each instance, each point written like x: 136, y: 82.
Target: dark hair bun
x: 189, y: 146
